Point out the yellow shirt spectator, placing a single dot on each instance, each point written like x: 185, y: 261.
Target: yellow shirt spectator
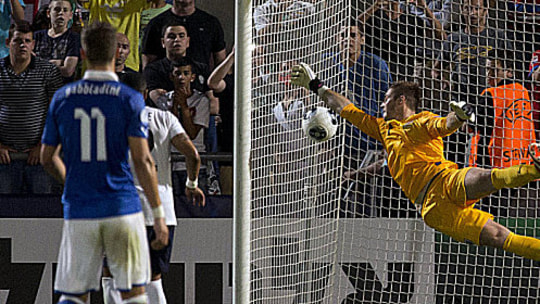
x: 125, y: 16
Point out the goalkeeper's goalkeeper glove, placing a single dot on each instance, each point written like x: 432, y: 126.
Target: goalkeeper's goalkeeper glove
x: 463, y: 110
x: 303, y: 75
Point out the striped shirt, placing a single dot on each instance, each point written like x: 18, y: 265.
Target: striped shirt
x: 24, y: 100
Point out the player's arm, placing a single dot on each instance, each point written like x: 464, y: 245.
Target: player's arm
x: 17, y: 10
x: 145, y: 169
x: 66, y: 66
x: 371, y: 10
x: 444, y: 126
x: 215, y: 81
x: 52, y: 162
x: 193, y: 163
x: 302, y: 75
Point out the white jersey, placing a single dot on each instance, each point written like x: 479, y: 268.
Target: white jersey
x: 163, y: 126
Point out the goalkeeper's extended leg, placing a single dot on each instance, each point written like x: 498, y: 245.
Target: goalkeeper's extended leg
x: 495, y: 235
x: 479, y: 182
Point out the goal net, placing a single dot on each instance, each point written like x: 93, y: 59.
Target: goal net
x: 327, y: 222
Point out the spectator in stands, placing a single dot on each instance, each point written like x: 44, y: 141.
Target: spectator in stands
x: 126, y: 17
x: 527, y: 6
x: 206, y: 44
x: 399, y: 37
x: 148, y: 14
x: 176, y: 42
x: 368, y: 80
x: 122, y: 55
x: 192, y: 108
x: 504, y: 128
x: 534, y: 75
x: 466, y: 53
x: 289, y: 151
x: 27, y: 85
x: 442, y: 10
x: 41, y: 21
x: 272, y: 15
x: 221, y: 82
x: 281, y: 26
x: 58, y: 44
x: 9, y: 9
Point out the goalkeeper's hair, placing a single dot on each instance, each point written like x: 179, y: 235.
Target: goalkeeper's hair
x: 411, y: 91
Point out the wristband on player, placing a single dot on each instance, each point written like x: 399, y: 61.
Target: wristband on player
x: 158, y: 212
x: 191, y: 184
x: 317, y: 87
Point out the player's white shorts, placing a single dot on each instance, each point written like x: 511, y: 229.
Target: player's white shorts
x: 84, y: 243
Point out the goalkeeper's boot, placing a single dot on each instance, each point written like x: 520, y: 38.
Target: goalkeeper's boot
x: 533, y: 153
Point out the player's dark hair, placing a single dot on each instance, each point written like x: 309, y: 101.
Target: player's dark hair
x: 184, y: 61
x: 22, y: 26
x: 98, y: 41
x: 135, y: 81
x: 411, y: 91
x: 72, y: 3
x: 170, y: 24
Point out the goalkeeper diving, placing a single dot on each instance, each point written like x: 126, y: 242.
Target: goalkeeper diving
x: 444, y: 194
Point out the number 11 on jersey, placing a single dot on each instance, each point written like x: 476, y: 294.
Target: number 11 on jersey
x: 86, y: 133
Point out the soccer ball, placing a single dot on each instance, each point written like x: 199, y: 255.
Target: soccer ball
x: 319, y: 124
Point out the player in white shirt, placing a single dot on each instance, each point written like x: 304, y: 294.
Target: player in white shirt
x: 165, y: 132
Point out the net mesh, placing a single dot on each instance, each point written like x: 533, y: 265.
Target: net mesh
x: 328, y: 223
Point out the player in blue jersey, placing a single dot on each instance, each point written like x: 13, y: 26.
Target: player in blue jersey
x: 96, y: 122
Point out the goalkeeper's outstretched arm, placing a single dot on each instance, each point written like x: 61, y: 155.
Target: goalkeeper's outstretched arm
x: 461, y: 112
x: 302, y: 75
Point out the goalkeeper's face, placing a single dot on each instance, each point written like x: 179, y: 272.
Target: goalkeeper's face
x: 392, y: 106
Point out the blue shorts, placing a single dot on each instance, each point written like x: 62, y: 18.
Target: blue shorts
x: 160, y: 259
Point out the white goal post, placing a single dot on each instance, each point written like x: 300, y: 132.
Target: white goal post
x: 324, y: 222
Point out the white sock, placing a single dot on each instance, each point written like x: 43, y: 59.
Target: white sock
x: 72, y: 299
x: 155, y: 292
x: 140, y: 299
x: 110, y: 294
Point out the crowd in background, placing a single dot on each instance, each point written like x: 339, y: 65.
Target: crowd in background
x: 461, y: 50
x: 174, y: 44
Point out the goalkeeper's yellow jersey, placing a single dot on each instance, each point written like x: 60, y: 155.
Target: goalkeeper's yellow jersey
x: 414, y: 146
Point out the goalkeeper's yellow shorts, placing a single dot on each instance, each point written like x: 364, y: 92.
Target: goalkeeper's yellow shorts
x: 447, y: 210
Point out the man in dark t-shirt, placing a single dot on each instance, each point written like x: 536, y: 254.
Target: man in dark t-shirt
x: 207, y: 44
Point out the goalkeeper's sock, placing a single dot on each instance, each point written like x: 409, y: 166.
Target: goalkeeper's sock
x: 513, y: 177
x: 527, y: 247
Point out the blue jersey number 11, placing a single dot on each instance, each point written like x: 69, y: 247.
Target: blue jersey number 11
x: 86, y: 136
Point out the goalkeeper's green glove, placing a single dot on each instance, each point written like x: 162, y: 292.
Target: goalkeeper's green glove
x: 303, y: 75
x: 463, y: 111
